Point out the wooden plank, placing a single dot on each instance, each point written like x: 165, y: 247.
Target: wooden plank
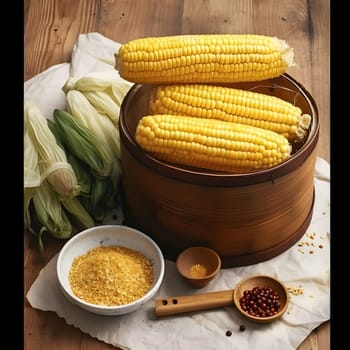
x: 319, y: 339
x: 126, y: 20
x: 51, y: 29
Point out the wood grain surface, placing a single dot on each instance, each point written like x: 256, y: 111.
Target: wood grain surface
x: 51, y: 28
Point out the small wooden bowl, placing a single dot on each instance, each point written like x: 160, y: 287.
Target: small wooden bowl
x: 261, y: 281
x: 198, y: 265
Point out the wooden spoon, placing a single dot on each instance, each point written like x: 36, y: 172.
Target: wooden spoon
x: 203, y: 301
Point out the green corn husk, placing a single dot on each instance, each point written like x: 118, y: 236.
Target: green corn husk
x: 97, y: 212
x: 32, y: 177
x: 96, y: 99
x: 80, y: 169
x: 28, y: 195
x: 77, y: 213
x: 101, y: 191
x: 82, y: 172
x: 101, y: 197
x: 36, y: 228
x: 80, y: 108
x: 52, y: 126
x: 52, y: 159
x: 50, y: 214
x: 83, y: 143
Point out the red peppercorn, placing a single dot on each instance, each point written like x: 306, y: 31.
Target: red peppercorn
x: 260, y: 301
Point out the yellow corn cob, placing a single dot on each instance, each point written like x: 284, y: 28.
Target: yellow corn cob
x: 203, y: 58
x: 234, y: 105
x: 211, y: 144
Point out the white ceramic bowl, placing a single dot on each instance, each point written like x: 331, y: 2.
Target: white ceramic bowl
x: 107, y: 235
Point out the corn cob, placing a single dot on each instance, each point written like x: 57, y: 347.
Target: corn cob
x: 83, y: 143
x: 50, y: 213
x: 81, y: 170
x: 100, y: 198
x: 52, y: 161
x: 105, y: 90
x: 96, y: 81
x: 203, y: 58
x: 211, y: 144
x: 83, y: 111
x: 32, y: 178
x: 78, y: 215
x: 104, y: 104
x: 234, y: 105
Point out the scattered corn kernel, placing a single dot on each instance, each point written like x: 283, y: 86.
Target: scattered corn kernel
x: 295, y: 290
x: 312, y: 243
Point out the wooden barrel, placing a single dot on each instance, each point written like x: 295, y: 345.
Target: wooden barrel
x: 247, y: 218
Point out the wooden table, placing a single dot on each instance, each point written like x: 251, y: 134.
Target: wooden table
x: 51, y: 28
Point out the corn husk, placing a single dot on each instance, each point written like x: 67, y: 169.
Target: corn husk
x: 105, y: 91
x: 101, y: 192
x: 52, y: 161
x: 95, y: 99
x: 80, y: 108
x: 97, y: 212
x: 32, y: 177
x: 50, y: 214
x: 118, y: 92
x: 95, y: 81
x: 83, y: 143
x: 101, y: 197
x: 52, y: 126
x: 79, y: 216
x: 28, y: 195
x: 81, y: 170
x: 104, y: 103
x: 82, y: 173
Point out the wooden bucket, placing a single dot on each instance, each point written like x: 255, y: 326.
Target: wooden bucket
x: 246, y: 218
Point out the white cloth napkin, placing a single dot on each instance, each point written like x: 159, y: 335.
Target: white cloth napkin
x: 304, y: 266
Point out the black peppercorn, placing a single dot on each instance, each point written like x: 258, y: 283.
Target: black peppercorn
x: 242, y: 328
